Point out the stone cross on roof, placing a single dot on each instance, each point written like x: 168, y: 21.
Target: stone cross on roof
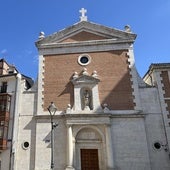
x: 83, y: 12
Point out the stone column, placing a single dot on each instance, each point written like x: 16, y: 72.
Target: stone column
x: 69, y: 148
x: 109, y: 148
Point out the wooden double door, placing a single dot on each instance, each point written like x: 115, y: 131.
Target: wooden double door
x: 89, y: 159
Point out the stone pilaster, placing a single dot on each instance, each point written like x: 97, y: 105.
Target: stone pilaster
x: 109, y: 148
x: 69, y: 148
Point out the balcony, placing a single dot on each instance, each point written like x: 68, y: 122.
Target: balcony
x: 5, y: 101
x: 3, y: 88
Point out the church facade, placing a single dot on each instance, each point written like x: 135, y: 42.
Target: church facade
x: 108, y: 117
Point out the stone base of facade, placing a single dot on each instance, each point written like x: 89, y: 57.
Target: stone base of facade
x: 69, y: 168
x: 111, y: 168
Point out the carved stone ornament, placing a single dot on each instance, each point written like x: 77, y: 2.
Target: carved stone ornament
x: 85, y: 79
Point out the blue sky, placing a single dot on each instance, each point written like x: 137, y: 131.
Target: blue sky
x: 22, y: 20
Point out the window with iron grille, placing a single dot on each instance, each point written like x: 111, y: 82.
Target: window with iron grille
x: 4, y: 87
x: 5, y: 103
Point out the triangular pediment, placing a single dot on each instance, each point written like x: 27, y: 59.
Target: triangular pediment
x: 85, y: 79
x: 86, y: 31
x: 85, y: 36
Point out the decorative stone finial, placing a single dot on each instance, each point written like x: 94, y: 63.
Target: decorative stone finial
x: 105, y: 105
x: 94, y: 74
x: 75, y: 75
x: 68, y: 108
x: 41, y: 35
x: 85, y: 71
x: 83, y: 12
x: 127, y: 28
x: 106, y: 109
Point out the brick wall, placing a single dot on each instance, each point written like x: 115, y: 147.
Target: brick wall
x: 112, y: 67
x: 84, y: 36
x: 166, y: 88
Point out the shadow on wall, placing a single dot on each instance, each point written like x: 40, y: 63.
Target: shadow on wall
x: 115, y: 90
x: 69, y: 89
x: 119, y: 95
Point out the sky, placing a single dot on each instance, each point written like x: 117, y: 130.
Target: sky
x: 21, y: 21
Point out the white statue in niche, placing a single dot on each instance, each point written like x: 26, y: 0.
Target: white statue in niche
x: 86, y: 99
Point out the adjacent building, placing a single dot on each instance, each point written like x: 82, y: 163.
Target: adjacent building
x: 12, y: 83
x: 108, y: 117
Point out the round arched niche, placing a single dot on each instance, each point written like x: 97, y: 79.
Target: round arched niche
x: 86, y: 98
x: 88, y: 134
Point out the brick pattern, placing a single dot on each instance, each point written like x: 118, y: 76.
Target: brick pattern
x: 115, y: 87
x: 166, y: 88
x: 3, y: 67
x: 130, y: 74
x: 84, y: 36
x: 166, y: 83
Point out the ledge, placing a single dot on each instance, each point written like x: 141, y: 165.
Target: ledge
x: 88, y: 46
x: 110, y: 114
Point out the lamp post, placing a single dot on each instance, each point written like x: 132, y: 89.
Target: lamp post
x: 52, y: 110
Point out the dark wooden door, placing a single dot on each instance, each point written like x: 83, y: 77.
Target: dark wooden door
x: 89, y: 159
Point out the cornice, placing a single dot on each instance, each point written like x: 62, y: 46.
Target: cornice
x: 85, y: 79
x: 81, y: 47
x: 89, y: 27
x: 119, y: 114
x: 157, y: 66
x: 84, y: 43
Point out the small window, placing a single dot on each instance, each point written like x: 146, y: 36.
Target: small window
x: 1, y: 132
x: 25, y: 145
x: 157, y: 145
x: 4, y: 87
x: 2, y: 123
x: 84, y: 59
x: 5, y: 101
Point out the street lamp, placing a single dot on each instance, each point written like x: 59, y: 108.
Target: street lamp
x: 52, y: 110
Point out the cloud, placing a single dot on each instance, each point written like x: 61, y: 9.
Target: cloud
x: 35, y: 59
x: 28, y: 52
x: 4, y: 51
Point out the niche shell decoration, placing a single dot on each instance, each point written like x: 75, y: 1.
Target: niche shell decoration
x: 86, y: 95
